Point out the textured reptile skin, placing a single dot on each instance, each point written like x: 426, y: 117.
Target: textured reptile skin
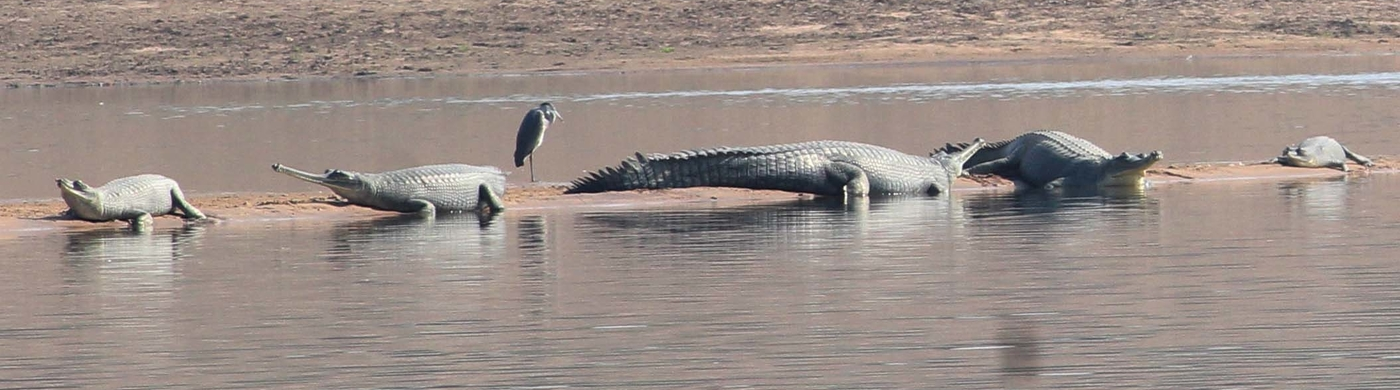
x: 1320, y: 152
x: 447, y: 187
x: 1041, y: 158
x: 817, y: 167
x: 128, y: 198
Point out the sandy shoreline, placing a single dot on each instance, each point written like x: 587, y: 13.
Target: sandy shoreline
x: 543, y: 198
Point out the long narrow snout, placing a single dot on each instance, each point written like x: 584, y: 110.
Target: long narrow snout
x: 299, y: 174
x: 961, y: 157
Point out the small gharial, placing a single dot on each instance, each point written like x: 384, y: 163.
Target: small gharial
x: 1320, y: 152
x: 831, y: 168
x: 135, y: 199
x: 1049, y: 159
x: 424, y: 190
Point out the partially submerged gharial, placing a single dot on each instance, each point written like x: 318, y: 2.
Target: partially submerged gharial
x: 1047, y: 159
x: 1320, y: 152
x: 135, y: 199
x: 425, y: 190
x: 833, y: 168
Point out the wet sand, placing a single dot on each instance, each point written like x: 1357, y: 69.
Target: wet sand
x: 543, y: 197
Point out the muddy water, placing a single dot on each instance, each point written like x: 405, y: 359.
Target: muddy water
x: 1227, y: 285
x: 1251, y: 284
x: 222, y: 137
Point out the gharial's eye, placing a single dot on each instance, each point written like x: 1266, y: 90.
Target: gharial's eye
x: 338, y: 175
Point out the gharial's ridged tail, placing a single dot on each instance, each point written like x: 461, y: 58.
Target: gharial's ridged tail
x: 691, y: 168
x: 631, y: 174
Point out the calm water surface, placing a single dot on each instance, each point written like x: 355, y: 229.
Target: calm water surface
x: 1244, y: 285
x: 1227, y: 285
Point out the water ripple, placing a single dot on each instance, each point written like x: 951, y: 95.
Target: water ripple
x: 1002, y: 91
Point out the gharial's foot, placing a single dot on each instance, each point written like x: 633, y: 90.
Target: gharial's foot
x: 142, y: 223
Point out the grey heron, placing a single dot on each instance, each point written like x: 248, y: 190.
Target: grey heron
x: 531, y: 134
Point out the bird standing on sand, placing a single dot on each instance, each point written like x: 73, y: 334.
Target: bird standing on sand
x: 531, y: 134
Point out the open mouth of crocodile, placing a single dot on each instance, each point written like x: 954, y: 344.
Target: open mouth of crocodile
x: 1298, y: 160
x: 1134, y: 168
x: 73, y: 186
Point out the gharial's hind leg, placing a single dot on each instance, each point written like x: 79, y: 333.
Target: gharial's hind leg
x: 852, y: 179
x: 1358, y: 158
x: 177, y: 199
x: 487, y: 200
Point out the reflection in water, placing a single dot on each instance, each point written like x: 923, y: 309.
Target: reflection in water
x: 535, y: 270
x: 1046, y: 222
x: 127, y: 261
x: 759, y: 230
x: 1177, y: 288
x: 1319, y: 199
x: 1054, y: 205
x: 447, y: 238
x: 1020, y: 351
x: 133, y: 276
x: 534, y: 237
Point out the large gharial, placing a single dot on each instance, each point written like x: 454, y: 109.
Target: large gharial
x: 423, y: 190
x: 832, y: 168
x: 1320, y: 152
x: 135, y: 199
x: 1046, y: 159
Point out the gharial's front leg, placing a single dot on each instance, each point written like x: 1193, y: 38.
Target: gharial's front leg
x: 487, y: 199
x: 992, y: 167
x: 850, y: 177
x: 425, y: 208
x: 141, y: 223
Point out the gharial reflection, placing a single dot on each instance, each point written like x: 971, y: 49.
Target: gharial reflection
x: 409, y: 237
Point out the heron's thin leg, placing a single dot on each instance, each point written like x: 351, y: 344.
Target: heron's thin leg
x: 532, y: 168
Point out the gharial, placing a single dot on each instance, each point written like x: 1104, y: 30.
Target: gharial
x: 135, y: 199
x: 1048, y: 159
x: 531, y: 133
x: 833, y: 168
x: 424, y: 190
x: 1320, y: 152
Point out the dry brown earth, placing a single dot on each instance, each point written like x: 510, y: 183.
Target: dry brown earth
x: 52, y: 42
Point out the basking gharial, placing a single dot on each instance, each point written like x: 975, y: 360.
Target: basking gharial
x: 833, y: 168
x: 1045, y: 159
x: 424, y: 190
x: 1320, y: 152
x: 135, y: 199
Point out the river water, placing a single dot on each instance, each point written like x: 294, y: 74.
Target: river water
x: 1243, y: 284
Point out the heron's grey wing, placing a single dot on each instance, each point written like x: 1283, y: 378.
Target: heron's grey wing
x: 531, y: 132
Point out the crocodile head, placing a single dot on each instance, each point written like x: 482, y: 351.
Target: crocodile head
x: 81, y: 198
x: 953, y: 161
x: 347, y: 184
x: 1129, y: 169
x: 1298, y: 157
